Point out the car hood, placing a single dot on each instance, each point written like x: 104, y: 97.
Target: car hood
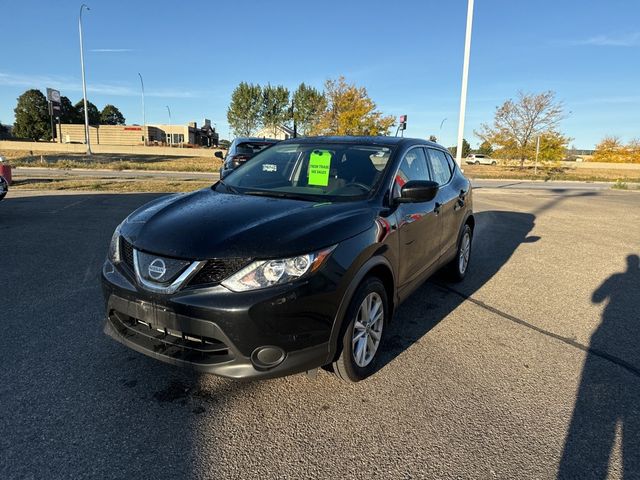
x: 207, y: 224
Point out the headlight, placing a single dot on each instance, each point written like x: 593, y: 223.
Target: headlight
x: 114, y: 246
x: 266, y: 273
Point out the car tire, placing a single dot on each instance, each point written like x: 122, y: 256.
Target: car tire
x: 476, y: 162
x: 494, y: 163
x: 459, y: 266
x: 356, y: 361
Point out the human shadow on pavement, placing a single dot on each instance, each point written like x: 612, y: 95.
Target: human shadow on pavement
x: 496, y: 237
x: 608, y: 400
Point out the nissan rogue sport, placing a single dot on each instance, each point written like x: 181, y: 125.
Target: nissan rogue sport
x: 294, y: 261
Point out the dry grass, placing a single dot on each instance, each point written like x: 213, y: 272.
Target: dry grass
x: 110, y: 185
x: 584, y: 173
x: 112, y: 161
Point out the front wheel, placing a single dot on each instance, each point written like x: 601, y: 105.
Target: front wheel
x: 367, y: 316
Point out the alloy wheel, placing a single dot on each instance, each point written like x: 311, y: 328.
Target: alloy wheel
x: 465, y: 251
x: 367, y: 329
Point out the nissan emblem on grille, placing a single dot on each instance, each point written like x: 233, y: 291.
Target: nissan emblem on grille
x: 157, y: 269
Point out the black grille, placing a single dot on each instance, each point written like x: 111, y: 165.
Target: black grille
x: 126, y: 253
x: 218, y: 269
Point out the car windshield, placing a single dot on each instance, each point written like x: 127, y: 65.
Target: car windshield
x: 251, y: 148
x: 311, y: 171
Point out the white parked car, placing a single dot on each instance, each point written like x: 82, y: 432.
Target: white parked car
x: 480, y: 159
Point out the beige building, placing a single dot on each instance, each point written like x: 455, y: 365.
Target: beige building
x: 131, y: 134
x: 178, y: 134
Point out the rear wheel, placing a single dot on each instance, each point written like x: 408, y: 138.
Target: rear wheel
x: 458, y: 267
x: 367, y: 316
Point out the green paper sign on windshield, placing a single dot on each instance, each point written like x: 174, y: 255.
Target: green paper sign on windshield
x: 319, y: 164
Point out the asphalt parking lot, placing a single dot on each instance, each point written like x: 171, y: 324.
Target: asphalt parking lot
x: 528, y: 369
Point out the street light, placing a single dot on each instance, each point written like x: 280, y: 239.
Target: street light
x: 442, y: 122
x: 144, y: 118
x: 465, y: 76
x: 84, y: 83
x: 535, y: 168
x: 170, y: 131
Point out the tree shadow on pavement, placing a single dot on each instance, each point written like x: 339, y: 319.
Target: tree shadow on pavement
x: 608, y: 399
x: 497, y: 235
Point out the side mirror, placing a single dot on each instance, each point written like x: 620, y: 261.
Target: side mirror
x: 416, y: 191
x: 218, y: 154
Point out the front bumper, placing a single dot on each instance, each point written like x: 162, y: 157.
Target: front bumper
x: 261, y: 334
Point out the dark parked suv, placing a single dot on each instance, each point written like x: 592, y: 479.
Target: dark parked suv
x: 241, y: 150
x: 295, y: 261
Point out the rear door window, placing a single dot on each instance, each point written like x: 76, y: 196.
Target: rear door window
x: 439, y: 166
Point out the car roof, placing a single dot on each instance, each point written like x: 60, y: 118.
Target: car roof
x: 373, y: 140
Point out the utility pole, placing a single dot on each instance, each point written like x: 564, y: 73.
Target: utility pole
x: 84, y: 83
x: 144, y: 118
x: 465, y: 77
x: 170, y: 130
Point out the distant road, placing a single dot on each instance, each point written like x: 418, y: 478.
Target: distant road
x: 30, y: 172
x: 540, y: 185
x: 21, y: 172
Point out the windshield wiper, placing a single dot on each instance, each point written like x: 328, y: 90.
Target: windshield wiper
x: 293, y: 196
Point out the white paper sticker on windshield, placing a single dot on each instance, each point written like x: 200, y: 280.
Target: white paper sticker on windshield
x: 269, y: 167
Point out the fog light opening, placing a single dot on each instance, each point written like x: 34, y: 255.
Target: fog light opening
x: 264, y: 358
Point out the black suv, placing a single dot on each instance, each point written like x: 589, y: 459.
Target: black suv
x: 241, y: 150
x: 295, y: 261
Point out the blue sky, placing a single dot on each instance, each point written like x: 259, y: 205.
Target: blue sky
x: 407, y: 54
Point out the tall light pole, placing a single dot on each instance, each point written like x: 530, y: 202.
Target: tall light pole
x: 170, y: 130
x: 84, y: 83
x: 442, y: 123
x: 144, y: 118
x: 465, y: 76
x: 535, y: 168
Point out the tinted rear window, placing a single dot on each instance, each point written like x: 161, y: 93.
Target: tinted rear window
x: 252, y: 148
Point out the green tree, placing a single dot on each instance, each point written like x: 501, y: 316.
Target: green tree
x: 69, y: 113
x: 32, y: 116
x: 553, y: 147
x: 350, y: 111
x: 518, y: 122
x: 466, y: 149
x: 94, y: 113
x: 110, y: 115
x: 244, y: 110
x: 308, y: 104
x: 485, y: 149
x: 275, y: 107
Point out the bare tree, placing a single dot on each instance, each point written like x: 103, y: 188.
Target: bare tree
x: 518, y: 122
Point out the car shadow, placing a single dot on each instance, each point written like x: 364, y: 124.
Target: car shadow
x: 607, y: 405
x: 497, y: 236
x: 79, y: 404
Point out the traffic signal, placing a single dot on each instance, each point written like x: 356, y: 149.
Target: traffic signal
x: 403, y: 122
